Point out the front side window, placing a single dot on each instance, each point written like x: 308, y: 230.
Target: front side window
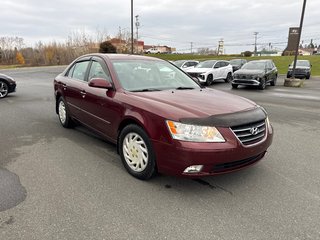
x: 141, y: 75
x: 97, y: 71
x: 218, y: 65
x: 80, y: 70
x: 206, y: 64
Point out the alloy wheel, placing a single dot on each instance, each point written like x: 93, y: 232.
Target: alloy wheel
x: 3, y: 89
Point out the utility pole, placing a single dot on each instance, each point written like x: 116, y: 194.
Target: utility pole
x: 299, y: 37
x: 137, y: 27
x: 131, y: 26
x: 191, y: 46
x: 255, y: 42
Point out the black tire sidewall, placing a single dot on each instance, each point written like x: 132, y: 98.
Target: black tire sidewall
x: 229, y: 78
x: 209, y: 80
x: 262, y: 85
x: 150, y: 169
x: 7, y: 88
x: 68, y: 122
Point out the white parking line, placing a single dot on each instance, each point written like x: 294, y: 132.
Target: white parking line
x: 295, y: 96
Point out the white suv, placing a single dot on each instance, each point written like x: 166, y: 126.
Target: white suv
x: 153, y: 50
x: 209, y: 71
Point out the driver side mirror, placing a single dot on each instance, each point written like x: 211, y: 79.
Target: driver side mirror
x: 100, y: 83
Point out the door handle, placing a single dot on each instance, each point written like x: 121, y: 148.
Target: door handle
x: 83, y: 93
x: 64, y: 86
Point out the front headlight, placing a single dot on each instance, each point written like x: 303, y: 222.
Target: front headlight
x: 194, y: 133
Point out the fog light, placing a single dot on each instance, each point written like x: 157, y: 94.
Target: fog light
x: 193, y: 169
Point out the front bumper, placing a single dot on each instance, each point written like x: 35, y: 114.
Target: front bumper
x: 246, y: 82
x: 216, y: 158
x: 298, y: 74
x: 12, y: 87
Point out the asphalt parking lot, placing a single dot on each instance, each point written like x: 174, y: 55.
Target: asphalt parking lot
x: 58, y: 183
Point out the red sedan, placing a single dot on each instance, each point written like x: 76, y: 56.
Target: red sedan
x: 161, y: 119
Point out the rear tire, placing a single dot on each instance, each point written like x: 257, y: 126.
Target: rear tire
x: 274, y: 81
x: 136, y: 152
x: 64, y: 115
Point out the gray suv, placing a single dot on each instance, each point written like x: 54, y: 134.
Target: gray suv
x: 256, y: 73
x: 303, y: 69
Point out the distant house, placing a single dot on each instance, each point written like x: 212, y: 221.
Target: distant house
x: 162, y: 49
x: 266, y: 53
x: 306, y: 51
x: 120, y: 44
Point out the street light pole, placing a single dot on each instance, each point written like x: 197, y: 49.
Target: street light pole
x: 131, y: 26
x: 299, y: 37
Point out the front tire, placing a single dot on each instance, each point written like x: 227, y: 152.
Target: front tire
x: 209, y: 80
x: 274, y: 81
x: 136, y: 152
x: 4, y: 89
x: 262, y: 85
x: 64, y: 115
x: 234, y: 86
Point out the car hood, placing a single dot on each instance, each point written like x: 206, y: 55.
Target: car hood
x: 199, y: 70
x: 249, y: 72
x: 196, y: 103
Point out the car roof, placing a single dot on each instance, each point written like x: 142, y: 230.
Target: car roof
x: 262, y: 60
x: 115, y: 56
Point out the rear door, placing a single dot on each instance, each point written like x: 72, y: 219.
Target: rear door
x: 225, y: 69
x: 216, y: 70
x: 271, y: 71
x: 75, y: 79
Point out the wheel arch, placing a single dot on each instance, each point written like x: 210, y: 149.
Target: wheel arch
x: 127, y: 121
x: 58, y: 95
x: 4, y: 80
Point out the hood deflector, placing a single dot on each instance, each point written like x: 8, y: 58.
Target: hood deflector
x: 228, y: 120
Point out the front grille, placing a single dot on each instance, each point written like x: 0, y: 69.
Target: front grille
x: 244, y: 77
x: 224, y: 167
x: 194, y: 74
x: 250, y: 133
x: 243, y: 81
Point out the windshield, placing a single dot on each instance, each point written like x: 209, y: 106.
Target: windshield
x: 301, y: 64
x: 235, y: 62
x: 254, y: 65
x: 178, y: 63
x: 206, y: 64
x: 146, y: 75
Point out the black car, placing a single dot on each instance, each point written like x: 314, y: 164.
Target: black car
x: 237, y: 63
x: 7, y: 85
x: 303, y: 69
x: 256, y: 73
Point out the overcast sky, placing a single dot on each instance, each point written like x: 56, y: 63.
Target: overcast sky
x: 172, y: 23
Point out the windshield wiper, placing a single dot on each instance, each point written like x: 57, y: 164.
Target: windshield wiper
x: 184, y: 88
x: 146, y: 90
